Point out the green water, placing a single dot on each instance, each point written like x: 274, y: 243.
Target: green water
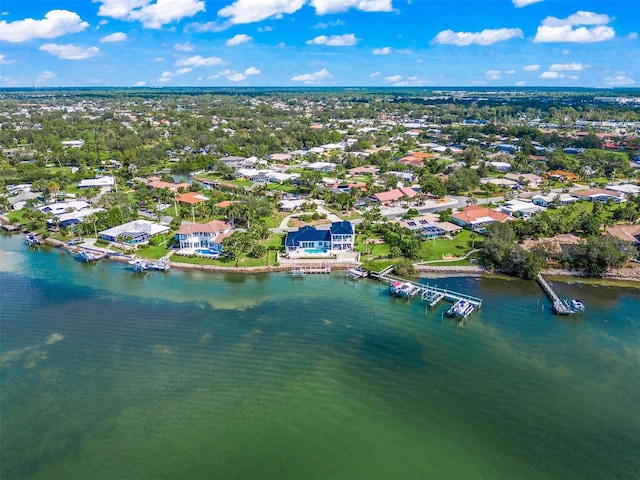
x: 110, y: 374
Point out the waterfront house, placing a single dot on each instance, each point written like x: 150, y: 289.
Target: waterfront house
x: 308, y: 239
x: 133, y: 233
x: 476, y: 217
x: 627, y: 233
x: 203, y: 235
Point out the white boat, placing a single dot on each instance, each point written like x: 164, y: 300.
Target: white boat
x: 577, y: 305
x: 459, y: 308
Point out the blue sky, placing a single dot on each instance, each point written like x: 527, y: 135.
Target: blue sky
x: 320, y: 42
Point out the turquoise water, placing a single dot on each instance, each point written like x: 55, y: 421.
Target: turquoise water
x: 109, y: 374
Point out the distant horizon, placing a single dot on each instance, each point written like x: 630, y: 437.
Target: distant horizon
x: 468, y: 88
x: 320, y: 43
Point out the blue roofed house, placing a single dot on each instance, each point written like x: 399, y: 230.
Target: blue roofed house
x: 309, y: 241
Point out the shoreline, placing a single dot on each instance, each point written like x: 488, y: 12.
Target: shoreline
x: 627, y: 275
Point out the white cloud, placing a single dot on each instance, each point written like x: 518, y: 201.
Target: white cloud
x: 168, y: 75
x: 579, y: 18
x: 158, y: 59
x: 184, y: 47
x: 382, y: 51
x: 334, y: 6
x: 204, y: 27
x: 141, y: 83
x: 115, y: 37
x: 531, y: 68
x: 151, y: 14
x: 497, y: 74
x: 346, y: 40
x: 249, y: 11
x: 69, y: 51
x: 520, y: 83
x: 632, y: 36
x: 4, y: 61
x: 374, y: 75
x: 325, y: 25
x: 618, y: 81
x: 524, y: 3
x: 238, y: 39
x: 555, y: 29
x: 236, y: 77
x: 567, y: 67
x: 485, y: 37
x: 44, y: 77
x: 393, y: 78
x: 199, y: 61
x: 550, y: 75
x: 54, y: 24
x: 313, y: 78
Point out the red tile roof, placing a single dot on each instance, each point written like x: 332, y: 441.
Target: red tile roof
x: 472, y: 214
x: 191, y: 198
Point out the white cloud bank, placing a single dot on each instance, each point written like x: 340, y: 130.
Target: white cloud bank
x: 114, y: 37
x: 250, y: 11
x: 151, y: 14
x: 238, y: 39
x: 591, y: 27
x: 524, y: 3
x: 346, y: 40
x: 313, y: 78
x: 54, y: 24
x: 485, y: 37
x: 199, y: 61
x: 69, y: 51
x: 382, y: 51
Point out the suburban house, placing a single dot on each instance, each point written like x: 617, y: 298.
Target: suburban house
x: 339, y: 237
x: 598, y: 195
x: 322, y: 166
x: 395, y: 195
x: 628, y: 233
x: 547, y: 200
x: 101, y: 182
x: 136, y: 232
x: 529, y: 179
x: 203, y: 235
x: 476, y: 217
x: 191, y: 198
x: 521, y: 209
x: 430, y: 226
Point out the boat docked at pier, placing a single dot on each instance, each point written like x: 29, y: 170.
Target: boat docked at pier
x: 462, y: 308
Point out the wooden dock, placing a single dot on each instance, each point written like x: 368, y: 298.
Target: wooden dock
x: 430, y: 295
x: 560, y: 307
x: 356, y: 272
x: 299, y: 271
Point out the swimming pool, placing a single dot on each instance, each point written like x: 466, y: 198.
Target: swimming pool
x: 206, y: 251
x: 315, y: 251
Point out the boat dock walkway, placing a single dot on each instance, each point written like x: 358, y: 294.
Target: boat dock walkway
x: 429, y: 293
x: 559, y: 307
x: 299, y: 271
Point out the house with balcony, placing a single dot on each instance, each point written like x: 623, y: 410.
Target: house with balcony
x: 203, y: 235
x: 310, y: 241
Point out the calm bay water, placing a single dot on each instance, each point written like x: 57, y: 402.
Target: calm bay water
x: 110, y: 374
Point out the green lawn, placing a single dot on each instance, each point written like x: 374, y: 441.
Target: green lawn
x: 244, y: 261
x: 458, y: 246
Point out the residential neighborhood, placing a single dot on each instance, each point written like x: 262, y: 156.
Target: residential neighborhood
x: 317, y: 176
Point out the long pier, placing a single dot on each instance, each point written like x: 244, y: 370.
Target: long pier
x: 435, y: 294
x: 559, y: 307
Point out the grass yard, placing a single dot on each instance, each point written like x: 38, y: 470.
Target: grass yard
x: 457, y: 246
